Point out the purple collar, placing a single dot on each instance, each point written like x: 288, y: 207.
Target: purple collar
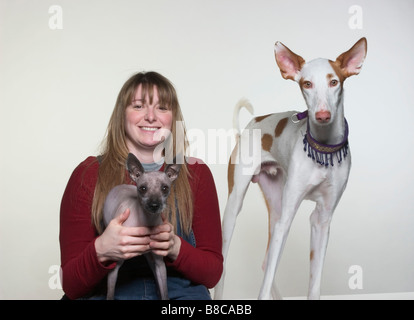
x: 323, y: 153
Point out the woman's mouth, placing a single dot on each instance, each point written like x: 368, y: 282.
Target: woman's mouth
x: 151, y: 129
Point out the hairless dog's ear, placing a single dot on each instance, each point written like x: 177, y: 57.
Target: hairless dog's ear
x: 350, y: 62
x: 289, y: 62
x: 134, y: 167
x: 172, y: 170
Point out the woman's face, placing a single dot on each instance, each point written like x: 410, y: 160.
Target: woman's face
x: 146, y: 124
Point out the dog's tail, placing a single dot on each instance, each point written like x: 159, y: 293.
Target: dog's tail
x: 243, y: 103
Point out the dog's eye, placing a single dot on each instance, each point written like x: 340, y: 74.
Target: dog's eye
x: 307, y: 84
x: 142, y: 189
x: 333, y: 83
x: 165, y: 189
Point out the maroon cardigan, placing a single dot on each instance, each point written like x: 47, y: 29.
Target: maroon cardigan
x: 81, y: 270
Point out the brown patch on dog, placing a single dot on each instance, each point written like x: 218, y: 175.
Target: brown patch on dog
x: 329, y: 76
x: 258, y: 119
x: 280, y: 127
x: 267, y: 141
x: 337, y: 68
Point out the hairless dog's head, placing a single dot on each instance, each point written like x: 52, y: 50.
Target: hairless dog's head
x: 153, y: 187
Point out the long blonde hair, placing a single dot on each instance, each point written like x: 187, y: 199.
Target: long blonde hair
x: 114, y: 150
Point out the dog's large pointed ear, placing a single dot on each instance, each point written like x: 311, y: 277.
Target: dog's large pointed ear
x: 172, y: 170
x: 289, y: 62
x: 134, y: 167
x: 350, y: 62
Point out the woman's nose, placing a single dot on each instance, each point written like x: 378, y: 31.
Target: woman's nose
x: 150, y: 115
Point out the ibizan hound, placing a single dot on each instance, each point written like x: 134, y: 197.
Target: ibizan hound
x: 301, y: 156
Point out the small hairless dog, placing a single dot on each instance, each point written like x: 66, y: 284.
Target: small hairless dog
x: 146, y: 201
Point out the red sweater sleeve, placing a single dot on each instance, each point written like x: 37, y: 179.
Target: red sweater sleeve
x: 81, y: 270
x: 204, y: 263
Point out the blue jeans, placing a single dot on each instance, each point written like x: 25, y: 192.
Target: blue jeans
x: 136, y: 282
x: 146, y: 289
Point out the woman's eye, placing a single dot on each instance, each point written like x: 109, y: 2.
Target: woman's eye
x: 163, y: 108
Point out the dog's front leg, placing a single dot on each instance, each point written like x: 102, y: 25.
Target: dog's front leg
x: 327, y: 198
x: 320, y: 222
x: 159, y: 270
x: 277, y: 242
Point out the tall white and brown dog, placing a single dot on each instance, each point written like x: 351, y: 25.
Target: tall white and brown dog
x: 300, y: 156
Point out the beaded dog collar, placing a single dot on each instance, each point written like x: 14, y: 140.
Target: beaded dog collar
x: 324, y: 153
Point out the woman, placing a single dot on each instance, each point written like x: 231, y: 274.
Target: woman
x: 147, y: 122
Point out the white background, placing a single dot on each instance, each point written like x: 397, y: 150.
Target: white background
x: 58, y: 88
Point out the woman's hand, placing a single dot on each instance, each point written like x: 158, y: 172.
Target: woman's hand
x: 164, y: 241
x: 121, y: 243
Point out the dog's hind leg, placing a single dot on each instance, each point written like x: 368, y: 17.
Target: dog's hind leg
x: 244, y: 163
x: 233, y: 207
x: 239, y: 178
x: 112, y: 277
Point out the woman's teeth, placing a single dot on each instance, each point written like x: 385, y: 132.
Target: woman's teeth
x: 149, y: 128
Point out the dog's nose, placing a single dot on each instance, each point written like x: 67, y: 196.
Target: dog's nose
x: 154, y: 206
x: 323, y: 116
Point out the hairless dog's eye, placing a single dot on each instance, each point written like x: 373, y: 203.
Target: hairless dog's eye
x: 142, y: 189
x: 164, y: 189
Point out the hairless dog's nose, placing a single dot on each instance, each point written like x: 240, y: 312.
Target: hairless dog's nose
x: 154, y: 206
